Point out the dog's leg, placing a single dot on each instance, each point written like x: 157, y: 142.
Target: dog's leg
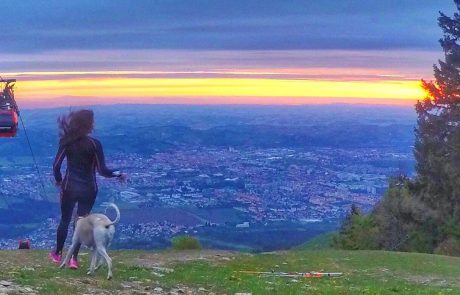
x: 99, y: 262
x: 100, y: 259
x: 93, y: 263
x: 101, y: 249
x: 69, y: 253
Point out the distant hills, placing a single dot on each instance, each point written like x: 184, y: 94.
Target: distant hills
x: 148, y: 128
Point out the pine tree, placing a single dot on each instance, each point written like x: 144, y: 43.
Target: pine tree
x: 437, y: 148
x: 357, y: 232
x: 423, y: 214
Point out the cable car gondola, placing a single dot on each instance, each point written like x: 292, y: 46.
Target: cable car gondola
x: 8, y: 109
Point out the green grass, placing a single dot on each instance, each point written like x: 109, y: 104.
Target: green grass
x: 365, y: 272
x: 320, y: 242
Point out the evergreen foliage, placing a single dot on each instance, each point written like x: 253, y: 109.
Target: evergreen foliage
x: 423, y: 214
x: 357, y: 232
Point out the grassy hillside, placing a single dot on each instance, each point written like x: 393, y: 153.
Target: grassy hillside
x: 217, y: 272
x: 320, y: 242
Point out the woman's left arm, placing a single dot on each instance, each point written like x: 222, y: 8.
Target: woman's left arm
x: 57, y: 165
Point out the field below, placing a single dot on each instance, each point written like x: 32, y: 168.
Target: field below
x: 222, y: 272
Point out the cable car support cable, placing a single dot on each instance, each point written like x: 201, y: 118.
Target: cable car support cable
x: 9, y: 120
x: 42, y: 183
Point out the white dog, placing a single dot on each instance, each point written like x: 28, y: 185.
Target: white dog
x: 95, y: 231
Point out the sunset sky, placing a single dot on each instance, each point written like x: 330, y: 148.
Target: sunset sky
x: 219, y: 52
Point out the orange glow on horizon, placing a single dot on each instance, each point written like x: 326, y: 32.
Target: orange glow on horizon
x: 254, y: 90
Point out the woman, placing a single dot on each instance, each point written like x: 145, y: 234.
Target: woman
x: 84, y: 155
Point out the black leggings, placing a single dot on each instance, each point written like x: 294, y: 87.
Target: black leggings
x: 85, y: 202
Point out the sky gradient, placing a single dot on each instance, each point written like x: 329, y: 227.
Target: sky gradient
x: 219, y: 52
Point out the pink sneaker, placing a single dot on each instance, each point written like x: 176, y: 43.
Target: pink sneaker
x: 73, y: 264
x: 55, y: 258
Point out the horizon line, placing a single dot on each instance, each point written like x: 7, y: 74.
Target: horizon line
x: 336, y: 103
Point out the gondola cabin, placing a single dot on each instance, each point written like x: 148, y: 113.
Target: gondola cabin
x: 8, y: 123
x: 8, y: 110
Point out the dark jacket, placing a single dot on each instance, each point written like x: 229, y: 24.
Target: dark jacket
x: 84, y: 155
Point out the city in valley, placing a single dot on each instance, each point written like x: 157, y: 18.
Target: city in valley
x: 251, y: 197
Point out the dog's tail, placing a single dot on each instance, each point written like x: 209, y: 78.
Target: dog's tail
x: 117, y: 219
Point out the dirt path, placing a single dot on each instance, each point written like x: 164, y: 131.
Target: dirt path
x: 168, y: 258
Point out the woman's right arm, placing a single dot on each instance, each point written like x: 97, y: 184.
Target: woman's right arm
x: 100, y: 161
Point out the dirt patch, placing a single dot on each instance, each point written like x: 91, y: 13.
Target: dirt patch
x: 433, y: 281
x: 214, y: 257
x: 129, y: 288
